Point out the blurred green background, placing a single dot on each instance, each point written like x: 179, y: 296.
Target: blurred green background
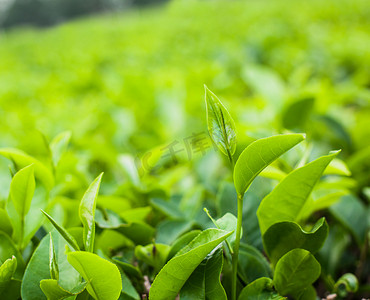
x: 129, y: 81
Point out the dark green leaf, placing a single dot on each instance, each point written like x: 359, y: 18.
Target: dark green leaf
x: 344, y: 210
x: 282, y: 237
x: 260, y: 289
x: 204, y: 282
x: 295, y: 271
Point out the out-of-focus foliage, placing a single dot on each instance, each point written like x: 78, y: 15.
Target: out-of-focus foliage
x: 123, y: 94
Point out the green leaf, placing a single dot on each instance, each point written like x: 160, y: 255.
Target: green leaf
x: 228, y: 222
x: 22, y: 189
x: 53, y: 291
x: 140, y: 233
x: 38, y: 268
x: 128, y: 289
x: 252, y: 264
x: 154, y: 255
x: 282, y: 237
x: 22, y: 160
x: 7, y: 270
x: 221, y: 126
x: 347, y: 283
x: 59, y: 145
x: 344, y: 210
x: 260, y: 289
x: 63, y: 232
x: 87, y: 213
x: 103, y: 277
x: 174, y: 274
x: 295, y: 116
x: 204, y: 282
x: 8, y: 250
x: 258, y: 155
x: 295, y: 271
x: 286, y: 201
x: 181, y: 242
x: 129, y: 269
x: 5, y: 223
x: 24, y: 228
x: 53, y: 263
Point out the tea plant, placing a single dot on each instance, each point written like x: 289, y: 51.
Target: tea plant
x: 121, y: 252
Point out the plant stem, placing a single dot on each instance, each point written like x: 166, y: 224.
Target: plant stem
x: 236, y: 247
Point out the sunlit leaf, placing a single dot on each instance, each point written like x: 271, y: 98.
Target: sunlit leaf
x: 87, y: 213
x: 287, y: 200
x: 220, y: 124
x: 103, y: 278
x: 258, y: 155
x: 174, y: 274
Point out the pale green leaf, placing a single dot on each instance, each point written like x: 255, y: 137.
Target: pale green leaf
x: 87, y: 213
x: 22, y: 189
x: 221, y: 126
x: 59, y: 145
x: 53, y: 291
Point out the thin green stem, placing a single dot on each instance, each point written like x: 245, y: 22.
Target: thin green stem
x: 21, y: 235
x: 236, y: 246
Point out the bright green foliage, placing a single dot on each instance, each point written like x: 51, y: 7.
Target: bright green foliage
x: 260, y: 289
x: 7, y: 270
x: 258, y: 155
x: 38, y: 268
x: 103, y: 278
x: 221, y: 126
x: 174, y: 274
x: 282, y: 237
x: 53, y: 291
x: 22, y: 189
x: 295, y: 271
x: 7, y: 251
x: 287, y: 200
x: 87, y: 213
x: 204, y: 282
